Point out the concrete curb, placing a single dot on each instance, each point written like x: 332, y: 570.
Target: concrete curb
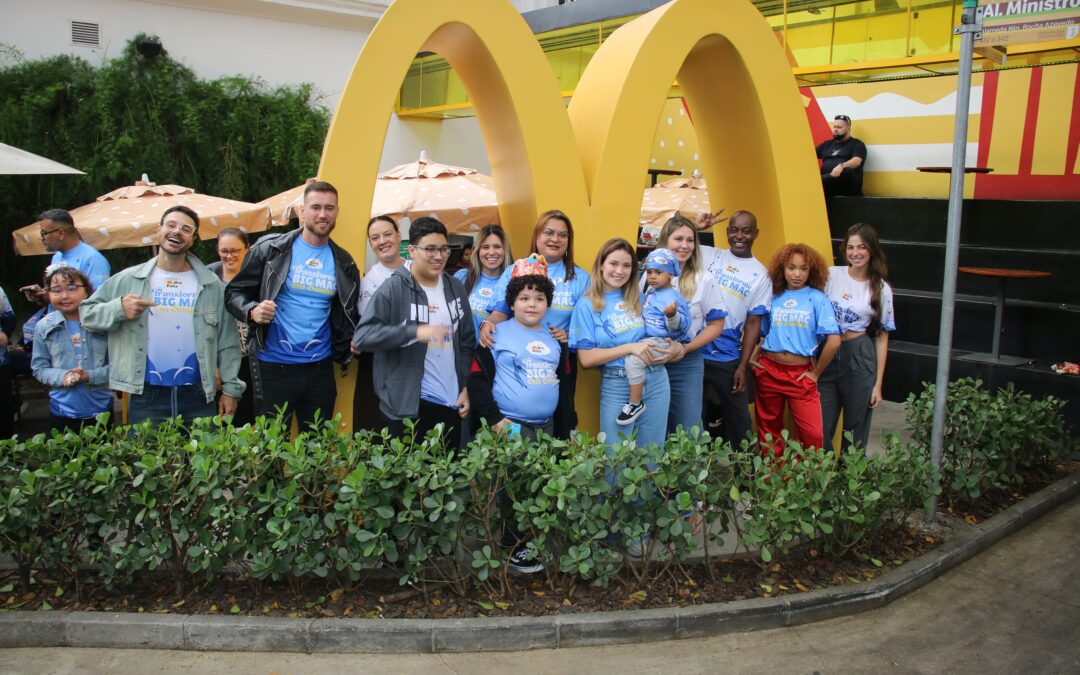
x: 227, y: 633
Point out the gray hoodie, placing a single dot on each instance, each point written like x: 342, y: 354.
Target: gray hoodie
x: 388, y: 329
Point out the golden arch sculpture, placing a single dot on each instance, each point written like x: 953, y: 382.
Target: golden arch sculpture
x: 587, y: 161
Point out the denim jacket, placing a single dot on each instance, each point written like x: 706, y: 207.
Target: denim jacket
x: 217, y: 346
x: 54, y: 356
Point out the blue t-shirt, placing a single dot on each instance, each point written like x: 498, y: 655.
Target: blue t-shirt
x: 526, y: 372
x: 300, y: 331
x: 610, y: 327
x: 563, y: 300
x: 653, y: 302
x: 798, y: 321
x: 481, y: 297
x: 78, y: 402
x: 87, y: 260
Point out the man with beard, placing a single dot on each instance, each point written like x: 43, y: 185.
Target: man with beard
x: 59, y: 235
x: 169, y: 339
x: 842, y: 160
x: 298, y: 292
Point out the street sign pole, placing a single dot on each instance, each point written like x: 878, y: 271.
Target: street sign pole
x: 970, y: 25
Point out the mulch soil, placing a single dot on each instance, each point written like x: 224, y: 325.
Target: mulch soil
x: 380, y: 596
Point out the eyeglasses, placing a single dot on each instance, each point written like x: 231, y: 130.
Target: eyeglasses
x: 563, y: 235
x: 844, y: 118
x: 432, y: 251
x: 45, y: 233
x: 229, y: 252
x: 70, y: 288
x: 184, y: 228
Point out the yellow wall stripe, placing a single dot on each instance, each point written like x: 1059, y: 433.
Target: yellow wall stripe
x: 1052, y: 128
x: 1009, y: 113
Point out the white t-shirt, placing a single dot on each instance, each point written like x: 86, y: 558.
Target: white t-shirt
x: 440, y: 383
x: 375, y: 277
x: 851, y: 302
x: 747, y: 289
x: 170, y: 348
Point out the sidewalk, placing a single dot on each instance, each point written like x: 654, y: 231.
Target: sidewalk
x: 1012, y: 609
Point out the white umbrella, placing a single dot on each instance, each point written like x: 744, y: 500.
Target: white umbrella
x: 16, y: 161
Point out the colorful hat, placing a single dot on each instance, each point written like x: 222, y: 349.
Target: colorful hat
x: 664, y: 260
x: 534, y: 264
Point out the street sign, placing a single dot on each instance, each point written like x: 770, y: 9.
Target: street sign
x: 1016, y: 22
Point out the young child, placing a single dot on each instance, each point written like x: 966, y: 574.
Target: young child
x: 68, y: 358
x: 786, y: 370
x: 666, y: 316
x: 515, y: 385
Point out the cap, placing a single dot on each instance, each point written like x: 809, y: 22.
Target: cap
x: 664, y: 260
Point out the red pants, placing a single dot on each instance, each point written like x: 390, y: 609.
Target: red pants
x: 778, y: 383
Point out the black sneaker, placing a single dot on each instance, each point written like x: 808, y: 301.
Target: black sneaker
x: 630, y: 412
x: 524, y: 560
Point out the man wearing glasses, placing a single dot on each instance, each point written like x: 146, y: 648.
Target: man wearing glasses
x: 298, y: 293
x: 59, y: 235
x: 169, y: 340
x: 419, y: 327
x: 842, y: 160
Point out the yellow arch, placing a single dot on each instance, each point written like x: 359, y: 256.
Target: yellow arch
x: 756, y: 147
x: 519, y: 107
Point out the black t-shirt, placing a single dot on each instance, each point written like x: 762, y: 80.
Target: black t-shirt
x: 833, y: 152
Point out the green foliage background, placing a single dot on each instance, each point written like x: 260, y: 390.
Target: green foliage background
x: 231, y: 137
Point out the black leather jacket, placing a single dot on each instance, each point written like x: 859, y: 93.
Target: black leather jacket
x: 263, y: 275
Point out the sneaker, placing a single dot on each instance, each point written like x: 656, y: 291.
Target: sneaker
x: 525, y: 560
x: 630, y: 412
x: 637, y: 548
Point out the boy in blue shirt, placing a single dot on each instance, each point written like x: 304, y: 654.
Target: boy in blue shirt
x: 666, y: 316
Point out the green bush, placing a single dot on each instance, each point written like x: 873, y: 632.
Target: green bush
x: 192, y: 502
x: 990, y: 437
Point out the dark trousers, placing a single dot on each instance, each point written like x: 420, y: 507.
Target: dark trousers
x: 365, y: 402
x: 162, y: 403
x: 847, y: 385
x: 565, y: 419
x: 301, y: 389
x: 847, y: 184
x: 511, y: 535
x: 17, y: 363
x: 427, y: 416
x: 735, y: 408
x: 75, y: 424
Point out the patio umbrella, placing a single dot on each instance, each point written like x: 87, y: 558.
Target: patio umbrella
x: 16, y: 161
x: 687, y: 196
x: 128, y: 217
x: 461, y: 198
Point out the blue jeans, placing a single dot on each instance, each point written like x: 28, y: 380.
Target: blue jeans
x: 163, y: 403
x: 651, y: 426
x: 687, y: 381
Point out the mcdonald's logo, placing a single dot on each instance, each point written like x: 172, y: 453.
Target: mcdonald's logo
x: 589, y: 159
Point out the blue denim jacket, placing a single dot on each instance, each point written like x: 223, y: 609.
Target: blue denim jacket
x: 54, y: 356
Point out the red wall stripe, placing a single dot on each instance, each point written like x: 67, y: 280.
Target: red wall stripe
x: 986, y: 127
x: 1031, y: 119
x: 1074, y: 127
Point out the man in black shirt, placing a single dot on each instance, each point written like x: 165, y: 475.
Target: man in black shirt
x: 842, y: 160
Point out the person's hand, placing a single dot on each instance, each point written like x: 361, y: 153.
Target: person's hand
x: 487, y: 334
x: 644, y: 351
x: 75, y: 377
x: 875, y: 397
x: 226, y: 405
x: 676, y: 351
x: 3, y: 339
x: 837, y: 171
x: 354, y: 350
x: 738, y: 381
x: 559, y: 334
x: 463, y: 404
x: 430, y: 332
x: 501, y: 426
x: 706, y: 221
x: 134, y: 305
x: 263, y: 313
x: 810, y: 374
x: 33, y: 293
x: 670, y: 310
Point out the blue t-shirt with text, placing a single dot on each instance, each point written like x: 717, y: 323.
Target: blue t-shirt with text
x: 653, y: 302
x: 798, y: 321
x: 563, y: 300
x: 612, y: 326
x: 481, y: 297
x: 300, y: 331
x: 526, y: 373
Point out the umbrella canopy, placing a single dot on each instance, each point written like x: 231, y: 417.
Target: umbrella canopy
x: 687, y: 196
x: 461, y: 198
x: 16, y: 161
x: 128, y: 217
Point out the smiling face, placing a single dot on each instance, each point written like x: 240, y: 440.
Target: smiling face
x: 429, y: 256
x: 231, y: 251
x: 681, y: 243
x: 741, y: 233
x: 553, y: 239
x: 385, y: 241
x: 176, y: 234
x: 492, y: 255
x: 857, y: 253
x: 319, y: 215
x: 65, y: 295
x: 530, y: 306
x: 616, y: 269
x: 796, y: 271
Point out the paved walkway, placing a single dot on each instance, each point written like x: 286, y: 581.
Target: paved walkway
x: 1013, y: 609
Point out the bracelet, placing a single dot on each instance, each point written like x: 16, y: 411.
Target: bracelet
x: 487, y: 321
